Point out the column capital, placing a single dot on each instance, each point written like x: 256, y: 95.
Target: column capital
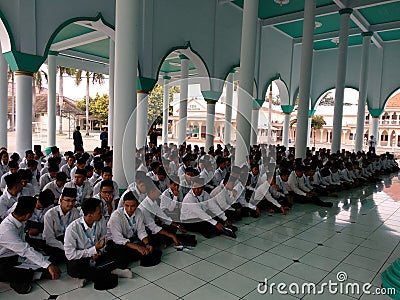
x: 25, y: 73
x: 311, y: 113
x: 145, y: 85
x: 166, y: 77
x: 182, y: 56
x: 19, y: 61
x: 345, y: 11
x: 232, y: 71
x: 367, y: 33
x: 211, y: 96
x: 287, y: 109
x: 257, y: 103
x: 375, y: 113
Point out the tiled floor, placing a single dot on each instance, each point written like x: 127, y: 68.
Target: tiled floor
x: 360, y: 235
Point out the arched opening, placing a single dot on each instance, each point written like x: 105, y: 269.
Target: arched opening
x: 271, y: 117
x: 384, y: 138
x: 198, y: 81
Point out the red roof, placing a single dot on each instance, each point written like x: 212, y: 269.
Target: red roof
x: 394, y: 101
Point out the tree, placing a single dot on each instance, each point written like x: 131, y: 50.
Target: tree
x: 98, y: 106
x: 37, y: 81
x: 96, y: 78
x: 61, y: 71
x: 317, y: 122
x: 155, y: 99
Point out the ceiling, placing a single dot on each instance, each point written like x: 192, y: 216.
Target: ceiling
x: 91, y: 40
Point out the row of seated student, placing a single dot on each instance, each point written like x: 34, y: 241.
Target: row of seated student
x: 74, y: 214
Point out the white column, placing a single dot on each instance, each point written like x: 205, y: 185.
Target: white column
x: 321, y: 131
x: 3, y: 101
x: 51, y: 100
x: 374, y: 128
x: 183, y: 99
x: 210, y: 124
x: 165, y: 109
x: 200, y: 124
x: 305, y: 78
x: 363, y: 91
x: 142, y: 113
x: 254, y: 126
x: 285, y: 133
x: 126, y: 59
x: 246, y: 81
x: 270, y: 115
x: 340, y: 78
x: 228, y: 109
x: 111, y: 94
x: 24, y: 111
x: 309, y: 131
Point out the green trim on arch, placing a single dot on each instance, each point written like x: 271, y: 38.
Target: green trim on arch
x: 23, y: 62
x: 287, y: 109
x: 145, y: 84
x: 211, y: 96
x: 8, y: 29
x: 311, y: 112
x: 70, y: 21
x: 258, y: 103
x: 188, y: 45
x: 375, y: 113
x: 314, y: 104
x: 276, y: 77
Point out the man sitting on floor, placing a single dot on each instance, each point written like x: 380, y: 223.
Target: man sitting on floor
x: 13, y: 246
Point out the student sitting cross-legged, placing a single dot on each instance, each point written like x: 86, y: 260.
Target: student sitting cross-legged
x: 56, y: 220
x: 84, y: 243
x: 13, y: 247
x: 127, y: 237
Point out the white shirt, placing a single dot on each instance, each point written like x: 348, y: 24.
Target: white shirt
x: 150, y: 209
x: 6, y: 202
x: 194, y: 208
x: 83, y: 191
x: 262, y: 192
x: 93, y: 179
x: 67, y: 170
x: 45, y: 179
x: 3, y: 184
x: 297, y: 184
x: 104, y: 207
x: 96, y: 189
x: 12, y: 242
x: 121, y: 228
x: 55, y: 224
x: 79, y: 239
x: 132, y: 188
x: 223, y: 199
x: 52, y: 186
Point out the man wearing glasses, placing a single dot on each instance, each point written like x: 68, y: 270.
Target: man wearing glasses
x: 106, y: 197
x: 56, y: 220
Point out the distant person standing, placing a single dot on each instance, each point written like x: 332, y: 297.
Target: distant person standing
x: 372, y: 144
x: 104, y: 138
x: 77, y: 136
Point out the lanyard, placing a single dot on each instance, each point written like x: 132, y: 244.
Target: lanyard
x: 131, y: 224
x: 39, y: 217
x: 92, y: 239
x: 63, y: 226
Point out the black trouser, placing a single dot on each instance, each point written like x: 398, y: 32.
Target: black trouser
x: 206, y: 229
x: 158, y: 239
x: 127, y: 255
x: 9, y: 272
x: 99, y: 274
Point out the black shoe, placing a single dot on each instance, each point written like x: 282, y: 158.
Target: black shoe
x: 229, y: 232
x: 21, y: 287
x: 234, y: 228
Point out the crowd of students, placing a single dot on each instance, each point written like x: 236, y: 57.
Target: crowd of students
x: 59, y: 209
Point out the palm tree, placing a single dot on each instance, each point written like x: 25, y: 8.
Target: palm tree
x: 317, y: 122
x: 61, y: 72
x: 12, y: 77
x: 37, y: 81
x: 96, y: 77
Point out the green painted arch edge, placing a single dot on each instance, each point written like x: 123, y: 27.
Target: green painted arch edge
x: 99, y: 16
x: 145, y: 84
x: 231, y: 70
x: 211, y: 96
x: 187, y: 46
x: 277, y: 76
x: 387, y: 99
x: 287, y: 109
x: 9, y: 31
x: 314, y: 104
